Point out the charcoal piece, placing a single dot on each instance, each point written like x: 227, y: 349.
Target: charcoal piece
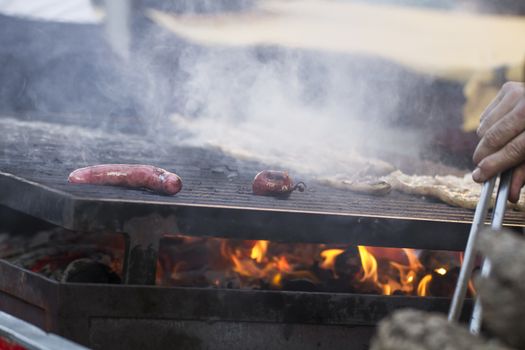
x: 435, y: 259
x: 417, y: 330
x: 348, y: 264
x: 501, y: 294
x: 89, y: 271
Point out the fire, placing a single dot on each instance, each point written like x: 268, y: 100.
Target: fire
x: 259, y: 251
x: 258, y: 267
x: 282, y: 265
x: 328, y: 257
x: 262, y: 264
x: 389, y: 283
x: 422, y: 288
x: 369, y: 264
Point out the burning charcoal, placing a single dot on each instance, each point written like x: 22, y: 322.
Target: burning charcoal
x: 443, y: 282
x: 348, y: 264
x: 502, y: 292
x: 52, y: 260
x: 417, y: 330
x: 435, y: 259
x: 89, y: 271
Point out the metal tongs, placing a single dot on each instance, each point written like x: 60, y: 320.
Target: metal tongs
x: 480, y: 217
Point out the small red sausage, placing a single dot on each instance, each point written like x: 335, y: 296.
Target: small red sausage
x: 129, y: 175
x: 273, y: 182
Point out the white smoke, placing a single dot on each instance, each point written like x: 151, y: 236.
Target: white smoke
x: 282, y: 108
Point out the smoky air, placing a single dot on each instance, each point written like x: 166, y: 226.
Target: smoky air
x: 295, y: 108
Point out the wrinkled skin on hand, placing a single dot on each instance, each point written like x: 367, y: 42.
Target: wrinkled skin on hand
x: 502, y: 138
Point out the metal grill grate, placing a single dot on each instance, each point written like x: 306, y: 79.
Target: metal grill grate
x: 216, y: 198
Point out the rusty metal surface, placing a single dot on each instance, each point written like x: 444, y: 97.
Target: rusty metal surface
x: 216, y: 199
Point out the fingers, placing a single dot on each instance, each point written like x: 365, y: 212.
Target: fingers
x: 504, y: 129
x: 506, y: 100
x: 495, y: 102
x: 512, y: 154
x: 518, y: 179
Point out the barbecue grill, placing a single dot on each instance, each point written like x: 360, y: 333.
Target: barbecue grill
x: 216, y: 201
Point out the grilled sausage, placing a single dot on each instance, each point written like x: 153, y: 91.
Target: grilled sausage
x: 273, y: 182
x: 129, y: 175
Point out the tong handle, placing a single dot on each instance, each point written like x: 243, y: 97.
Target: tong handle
x: 497, y: 223
x: 465, y: 273
x: 480, y: 217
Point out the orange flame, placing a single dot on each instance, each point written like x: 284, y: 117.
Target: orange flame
x: 422, y: 288
x: 389, y: 283
x: 282, y: 265
x: 369, y: 264
x: 260, y: 263
x: 246, y: 268
x: 259, y: 251
x: 328, y: 257
x: 276, y: 280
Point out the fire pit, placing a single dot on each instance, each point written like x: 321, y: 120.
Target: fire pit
x: 216, y: 202
x: 131, y: 316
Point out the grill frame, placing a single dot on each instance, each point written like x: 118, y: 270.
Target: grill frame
x: 72, y: 310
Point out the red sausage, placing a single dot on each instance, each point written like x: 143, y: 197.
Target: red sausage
x: 273, y: 182
x: 129, y: 175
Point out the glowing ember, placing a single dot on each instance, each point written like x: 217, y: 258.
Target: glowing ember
x: 442, y: 271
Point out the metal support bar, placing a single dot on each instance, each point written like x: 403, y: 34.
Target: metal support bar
x: 142, y: 246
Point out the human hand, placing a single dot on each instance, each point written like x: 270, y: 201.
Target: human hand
x: 502, y: 133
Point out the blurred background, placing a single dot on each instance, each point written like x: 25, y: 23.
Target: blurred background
x: 425, y: 68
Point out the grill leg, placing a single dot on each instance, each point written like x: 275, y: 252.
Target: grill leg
x: 142, y: 247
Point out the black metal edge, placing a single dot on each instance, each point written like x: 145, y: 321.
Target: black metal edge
x: 104, y: 301
x: 36, y: 200
x: 80, y: 214
x: 78, y: 301
x: 15, y: 281
x: 277, y: 225
x: 235, y: 305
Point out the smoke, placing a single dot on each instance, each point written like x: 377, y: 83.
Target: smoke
x: 307, y: 111
x: 297, y: 109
